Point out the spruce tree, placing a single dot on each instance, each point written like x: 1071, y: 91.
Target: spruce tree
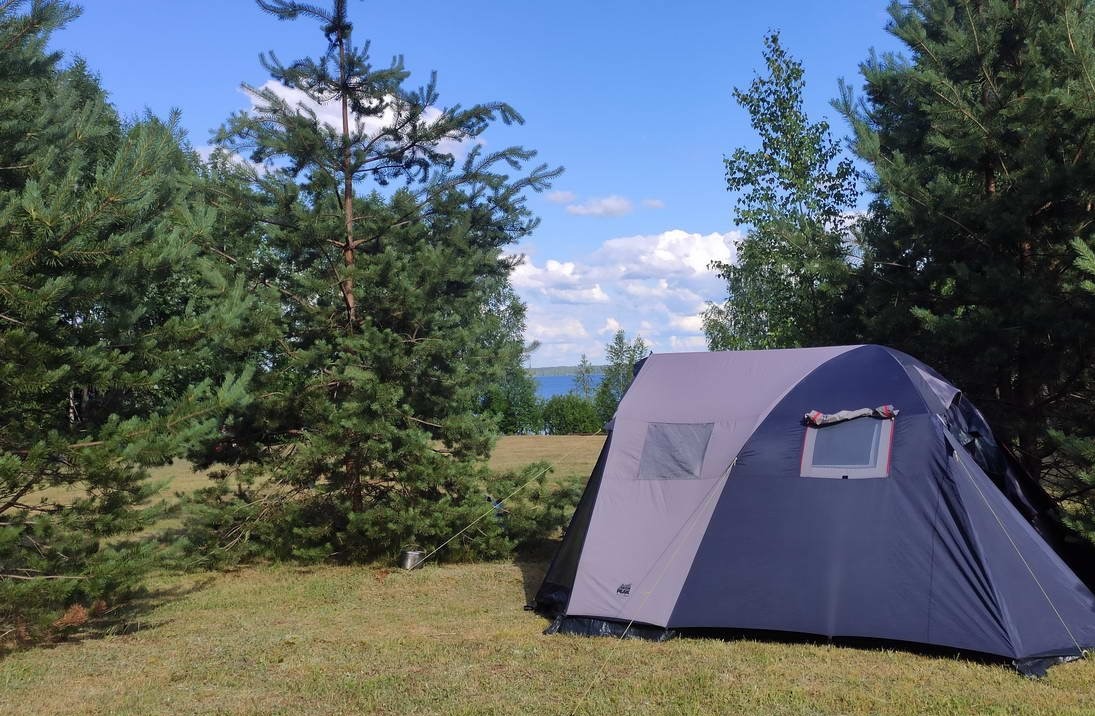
x: 384, y: 257
x: 1077, y: 493
x: 104, y: 313
x: 789, y: 284
x: 982, y: 158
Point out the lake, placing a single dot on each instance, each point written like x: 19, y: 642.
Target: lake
x: 548, y: 386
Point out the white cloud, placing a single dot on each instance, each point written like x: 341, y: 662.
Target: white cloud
x: 593, y: 294
x: 565, y: 328
x: 653, y: 285
x: 330, y: 114
x: 605, y: 206
x: 670, y: 253
x: 611, y: 326
x: 660, y: 289
x: 691, y: 324
x: 561, y: 197
x: 554, y: 273
x: 654, y: 203
x: 687, y: 343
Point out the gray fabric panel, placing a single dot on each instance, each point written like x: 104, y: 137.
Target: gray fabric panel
x: 646, y: 532
x: 941, y: 388
x: 674, y: 451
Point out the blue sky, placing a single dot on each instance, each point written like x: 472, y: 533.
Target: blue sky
x: 633, y: 98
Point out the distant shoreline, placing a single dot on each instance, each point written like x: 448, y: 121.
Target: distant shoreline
x: 561, y: 370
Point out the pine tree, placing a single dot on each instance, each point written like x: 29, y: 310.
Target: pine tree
x: 104, y: 313
x: 789, y: 284
x: 618, y: 374
x: 982, y: 159
x: 1077, y: 494
x: 368, y: 430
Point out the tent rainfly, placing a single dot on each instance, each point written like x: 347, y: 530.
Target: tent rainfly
x: 849, y: 492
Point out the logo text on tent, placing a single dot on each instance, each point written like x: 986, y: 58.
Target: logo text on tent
x: 624, y: 589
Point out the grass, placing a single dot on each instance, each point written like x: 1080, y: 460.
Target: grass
x: 180, y: 477
x: 454, y: 639
x: 571, y: 455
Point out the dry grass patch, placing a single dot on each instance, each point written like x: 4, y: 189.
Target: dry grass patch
x: 180, y: 477
x: 455, y: 640
x: 571, y: 455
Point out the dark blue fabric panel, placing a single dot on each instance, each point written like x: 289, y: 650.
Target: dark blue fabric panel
x: 1042, y: 599
x: 964, y: 610
x: 863, y: 378
x: 843, y: 557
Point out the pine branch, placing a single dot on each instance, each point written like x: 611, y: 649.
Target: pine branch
x: 19, y: 494
x: 1072, y: 46
x: 43, y: 577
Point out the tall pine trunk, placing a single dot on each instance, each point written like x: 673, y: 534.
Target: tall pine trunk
x: 353, y: 475
x: 348, y: 247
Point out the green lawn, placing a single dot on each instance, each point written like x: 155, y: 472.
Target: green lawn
x: 455, y: 640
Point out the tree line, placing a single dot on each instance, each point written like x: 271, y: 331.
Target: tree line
x: 956, y: 224
x: 585, y: 408
x: 319, y: 314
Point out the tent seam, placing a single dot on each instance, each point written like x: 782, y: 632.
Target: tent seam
x: 737, y: 456
x: 931, y: 568
x: 978, y: 550
x: 912, y: 381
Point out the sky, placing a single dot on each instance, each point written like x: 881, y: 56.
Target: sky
x: 632, y: 98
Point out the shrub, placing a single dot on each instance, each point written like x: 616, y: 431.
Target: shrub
x: 240, y: 519
x: 569, y: 414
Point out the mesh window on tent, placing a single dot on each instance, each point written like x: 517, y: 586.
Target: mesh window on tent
x: 852, y: 449
x: 674, y: 451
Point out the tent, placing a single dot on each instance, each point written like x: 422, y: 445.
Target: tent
x: 842, y: 492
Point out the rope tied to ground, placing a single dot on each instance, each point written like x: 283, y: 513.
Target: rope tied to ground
x: 956, y: 447
x: 495, y: 504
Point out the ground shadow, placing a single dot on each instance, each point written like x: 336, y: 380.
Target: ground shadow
x: 129, y: 617
x: 533, y: 567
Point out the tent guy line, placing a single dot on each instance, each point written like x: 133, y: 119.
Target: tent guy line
x: 491, y: 511
x: 954, y: 446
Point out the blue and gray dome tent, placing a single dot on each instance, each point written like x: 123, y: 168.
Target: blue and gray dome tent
x: 846, y: 492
